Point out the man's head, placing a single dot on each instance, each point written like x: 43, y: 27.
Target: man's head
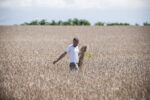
x: 75, y: 41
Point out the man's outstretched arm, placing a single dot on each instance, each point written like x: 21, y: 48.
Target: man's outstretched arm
x: 60, y: 57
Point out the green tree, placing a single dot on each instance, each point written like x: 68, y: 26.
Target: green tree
x: 35, y: 22
x: 84, y: 22
x: 60, y: 22
x: 53, y: 22
x: 137, y: 24
x: 25, y: 23
x: 99, y: 24
x: 118, y: 24
x: 65, y: 23
x: 146, y: 24
x: 44, y: 22
x: 76, y: 22
x: 70, y: 22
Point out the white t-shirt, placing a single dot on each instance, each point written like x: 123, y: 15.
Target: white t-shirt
x: 73, y: 53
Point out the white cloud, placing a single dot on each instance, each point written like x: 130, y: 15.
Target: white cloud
x: 128, y: 3
x: 50, y: 3
x: 15, y: 3
x: 87, y: 3
x: 81, y: 4
x: 111, y: 3
x: 30, y: 3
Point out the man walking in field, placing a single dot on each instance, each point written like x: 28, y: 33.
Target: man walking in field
x: 73, y: 50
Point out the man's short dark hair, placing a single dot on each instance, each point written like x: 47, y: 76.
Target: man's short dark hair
x: 76, y: 39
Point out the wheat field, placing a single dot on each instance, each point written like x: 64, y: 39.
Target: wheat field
x: 119, y: 68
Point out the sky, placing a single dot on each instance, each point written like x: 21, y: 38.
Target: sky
x: 19, y: 11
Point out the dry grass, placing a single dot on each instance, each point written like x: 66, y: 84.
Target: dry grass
x: 118, y: 70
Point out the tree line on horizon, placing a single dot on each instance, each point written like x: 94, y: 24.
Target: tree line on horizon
x: 78, y: 22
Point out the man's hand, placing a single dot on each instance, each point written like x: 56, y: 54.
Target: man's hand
x: 61, y: 56
x: 54, y: 62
